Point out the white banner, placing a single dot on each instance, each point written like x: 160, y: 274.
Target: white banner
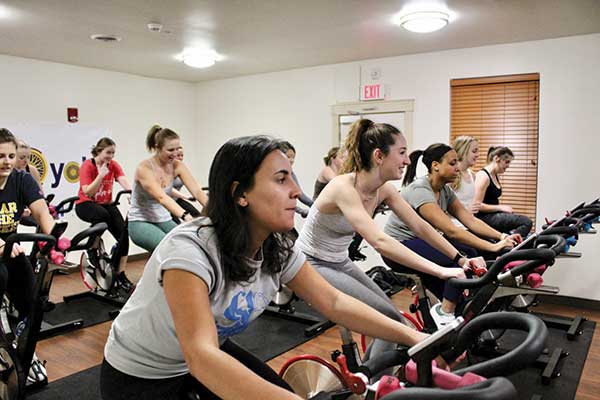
x: 57, y: 151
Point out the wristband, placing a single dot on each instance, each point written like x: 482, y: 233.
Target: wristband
x: 458, y: 256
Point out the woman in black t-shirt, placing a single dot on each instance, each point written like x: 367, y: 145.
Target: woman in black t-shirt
x: 18, y: 190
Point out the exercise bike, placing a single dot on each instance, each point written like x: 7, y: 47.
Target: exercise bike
x: 98, y: 268
x: 312, y: 377
x: 16, y: 358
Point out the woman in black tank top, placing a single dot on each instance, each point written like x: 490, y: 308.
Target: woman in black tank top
x: 488, y: 191
x: 333, y: 164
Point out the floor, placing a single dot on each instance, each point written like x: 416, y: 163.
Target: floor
x: 73, y: 352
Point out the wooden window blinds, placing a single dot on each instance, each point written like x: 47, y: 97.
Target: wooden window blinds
x: 502, y: 111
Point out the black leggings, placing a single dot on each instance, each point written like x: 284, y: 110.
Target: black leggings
x: 95, y: 213
x: 16, y: 280
x: 507, y: 222
x: 116, y: 385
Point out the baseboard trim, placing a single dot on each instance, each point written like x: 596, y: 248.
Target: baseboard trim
x: 570, y: 301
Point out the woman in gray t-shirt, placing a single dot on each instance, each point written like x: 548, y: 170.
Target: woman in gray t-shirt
x: 434, y: 200
x: 212, y: 276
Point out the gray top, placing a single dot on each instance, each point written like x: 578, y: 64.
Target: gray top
x: 146, y: 208
x: 142, y: 341
x: 177, y: 183
x: 419, y: 192
x: 325, y: 236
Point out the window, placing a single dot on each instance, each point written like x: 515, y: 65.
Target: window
x: 502, y: 111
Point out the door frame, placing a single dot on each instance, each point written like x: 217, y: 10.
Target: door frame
x: 373, y: 107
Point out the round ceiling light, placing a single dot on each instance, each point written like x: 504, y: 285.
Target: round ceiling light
x: 423, y: 21
x: 199, y: 58
x: 105, y: 38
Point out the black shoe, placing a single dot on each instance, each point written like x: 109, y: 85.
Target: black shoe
x: 125, y: 283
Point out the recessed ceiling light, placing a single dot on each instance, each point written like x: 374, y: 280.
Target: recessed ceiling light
x: 5, y: 12
x: 423, y: 21
x: 199, y: 58
x: 106, y: 38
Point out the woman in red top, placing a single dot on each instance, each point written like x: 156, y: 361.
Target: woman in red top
x: 96, y: 178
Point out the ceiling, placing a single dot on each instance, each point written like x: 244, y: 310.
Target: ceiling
x: 257, y: 36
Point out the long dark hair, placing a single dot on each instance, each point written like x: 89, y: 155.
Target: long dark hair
x: 237, y: 161
x: 435, y: 152
x: 364, y: 137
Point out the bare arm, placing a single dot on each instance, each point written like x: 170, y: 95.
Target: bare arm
x: 474, y: 224
x: 176, y: 194
x: 91, y: 189
x: 349, y: 202
x: 124, y: 182
x: 39, y: 212
x: 190, y: 183
x: 187, y: 296
x: 327, y: 174
x: 348, y: 311
x: 420, y: 227
x: 436, y: 217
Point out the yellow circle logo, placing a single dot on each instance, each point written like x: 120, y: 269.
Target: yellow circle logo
x: 38, y: 160
x: 72, y: 172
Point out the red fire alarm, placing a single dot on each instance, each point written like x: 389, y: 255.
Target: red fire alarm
x: 72, y: 115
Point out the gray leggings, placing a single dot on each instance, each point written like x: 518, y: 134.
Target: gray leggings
x: 148, y: 235
x: 348, y: 278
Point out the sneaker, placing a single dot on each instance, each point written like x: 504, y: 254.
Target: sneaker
x: 37, y: 372
x: 20, y: 328
x: 440, y: 317
x: 124, y: 282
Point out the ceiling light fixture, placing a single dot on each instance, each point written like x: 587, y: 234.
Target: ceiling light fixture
x: 197, y: 58
x: 105, y: 38
x: 423, y: 21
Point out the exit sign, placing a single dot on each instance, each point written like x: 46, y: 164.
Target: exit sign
x: 372, y: 92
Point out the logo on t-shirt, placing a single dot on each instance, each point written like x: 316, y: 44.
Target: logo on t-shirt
x: 239, y: 312
x: 7, y: 217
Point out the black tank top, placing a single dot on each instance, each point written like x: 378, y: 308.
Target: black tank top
x: 319, y: 186
x: 493, y: 192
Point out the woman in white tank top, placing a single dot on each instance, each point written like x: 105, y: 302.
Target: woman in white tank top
x: 467, y: 149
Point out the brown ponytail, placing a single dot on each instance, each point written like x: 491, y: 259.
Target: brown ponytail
x: 364, y: 137
x: 157, y: 136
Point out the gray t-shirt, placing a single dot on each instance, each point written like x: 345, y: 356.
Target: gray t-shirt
x: 142, y: 341
x: 419, y: 192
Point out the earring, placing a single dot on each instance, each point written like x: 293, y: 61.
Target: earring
x: 243, y: 202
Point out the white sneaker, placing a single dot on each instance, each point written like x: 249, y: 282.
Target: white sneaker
x: 440, y: 317
x: 37, y: 372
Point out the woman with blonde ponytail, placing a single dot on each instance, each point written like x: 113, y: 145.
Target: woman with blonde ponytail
x: 376, y: 154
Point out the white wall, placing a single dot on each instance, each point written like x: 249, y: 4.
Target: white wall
x: 296, y: 105
x: 127, y: 105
